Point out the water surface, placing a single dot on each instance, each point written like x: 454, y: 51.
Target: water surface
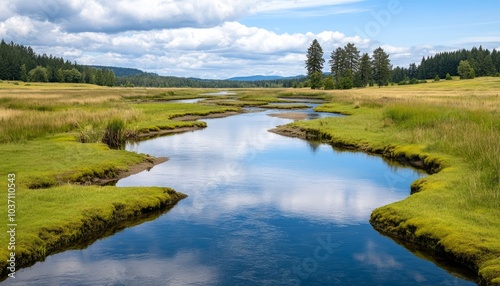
x: 263, y: 209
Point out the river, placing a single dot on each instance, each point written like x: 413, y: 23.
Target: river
x: 263, y: 209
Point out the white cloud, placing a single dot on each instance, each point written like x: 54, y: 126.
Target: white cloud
x: 181, y: 38
x: 125, y: 15
x: 216, y: 52
x: 280, y: 5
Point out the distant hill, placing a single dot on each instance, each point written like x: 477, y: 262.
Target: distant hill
x: 261, y: 77
x: 121, y: 71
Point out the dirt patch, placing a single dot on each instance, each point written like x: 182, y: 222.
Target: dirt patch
x: 211, y: 115
x: 147, y: 164
x: 290, y: 115
x: 152, y: 134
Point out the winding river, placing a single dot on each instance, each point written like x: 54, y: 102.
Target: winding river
x: 263, y: 209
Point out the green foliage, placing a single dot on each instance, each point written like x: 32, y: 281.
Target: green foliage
x: 38, y: 74
x: 465, y: 70
x: 346, y: 81
x: 16, y: 60
x: 365, y: 70
x: 436, y: 78
x: 315, y: 60
x: 24, y: 73
x: 72, y: 75
x: 316, y: 80
x: 329, y: 83
x: 381, y: 67
x: 448, y: 77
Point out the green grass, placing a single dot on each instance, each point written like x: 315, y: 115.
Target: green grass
x: 53, y: 219
x: 40, y: 129
x: 455, y: 126
x: 449, y: 126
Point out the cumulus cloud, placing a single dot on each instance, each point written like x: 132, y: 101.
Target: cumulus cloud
x: 125, y: 15
x: 214, y: 52
x: 180, y: 38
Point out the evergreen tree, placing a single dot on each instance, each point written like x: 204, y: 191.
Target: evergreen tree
x: 381, y: 67
x: 315, y: 61
x: 337, y: 63
x: 365, y: 70
x: 352, y: 57
x: 345, y: 62
x: 316, y: 80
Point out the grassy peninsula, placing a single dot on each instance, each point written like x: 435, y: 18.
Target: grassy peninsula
x: 452, y: 130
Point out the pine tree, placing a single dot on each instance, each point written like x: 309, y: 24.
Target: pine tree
x: 352, y: 57
x: 365, y: 70
x: 381, y: 67
x: 337, y: 63
x: 315, y: 61
x: 316, y: 80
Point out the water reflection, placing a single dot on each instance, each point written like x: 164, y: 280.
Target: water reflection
x: 71, y: 268
x: 194, y: 100
x: 263, y: 209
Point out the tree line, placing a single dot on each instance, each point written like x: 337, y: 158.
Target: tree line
x: 18, y: 62
x: 348, y: 68
x: 477, y: 62
x: 154, y: 80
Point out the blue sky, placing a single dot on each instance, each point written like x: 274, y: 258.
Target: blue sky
x: 225, y: 38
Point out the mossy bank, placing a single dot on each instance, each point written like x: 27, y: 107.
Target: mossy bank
x: 451, y: 130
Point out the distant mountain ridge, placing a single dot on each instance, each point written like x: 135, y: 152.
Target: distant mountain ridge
x: 262, y: 77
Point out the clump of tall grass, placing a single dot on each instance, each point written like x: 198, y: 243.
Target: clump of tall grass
x: 115, y: 133
x: 90, y: 134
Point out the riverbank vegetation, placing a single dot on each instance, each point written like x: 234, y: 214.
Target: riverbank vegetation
x: 449, y: 128
x: 57, y: 204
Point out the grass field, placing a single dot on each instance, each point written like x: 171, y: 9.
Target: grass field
x: 40, y: 127
x: 450, y: 126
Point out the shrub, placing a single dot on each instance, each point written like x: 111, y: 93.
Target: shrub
x: 448, y: 77
x: 437, y: 78
x: 329, y: 83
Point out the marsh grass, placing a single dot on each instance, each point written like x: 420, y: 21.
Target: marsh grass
x: 114, y: 133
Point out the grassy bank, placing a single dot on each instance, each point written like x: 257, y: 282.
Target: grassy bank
x: 451, y: 129
x: 57, y: 207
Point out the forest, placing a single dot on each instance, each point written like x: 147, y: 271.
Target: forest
x: 482, y: 61
x: 348, y: 68
x: 18, y: 62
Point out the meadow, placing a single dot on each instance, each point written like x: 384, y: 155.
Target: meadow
x: 58, y: 204
x: 451, y: 129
